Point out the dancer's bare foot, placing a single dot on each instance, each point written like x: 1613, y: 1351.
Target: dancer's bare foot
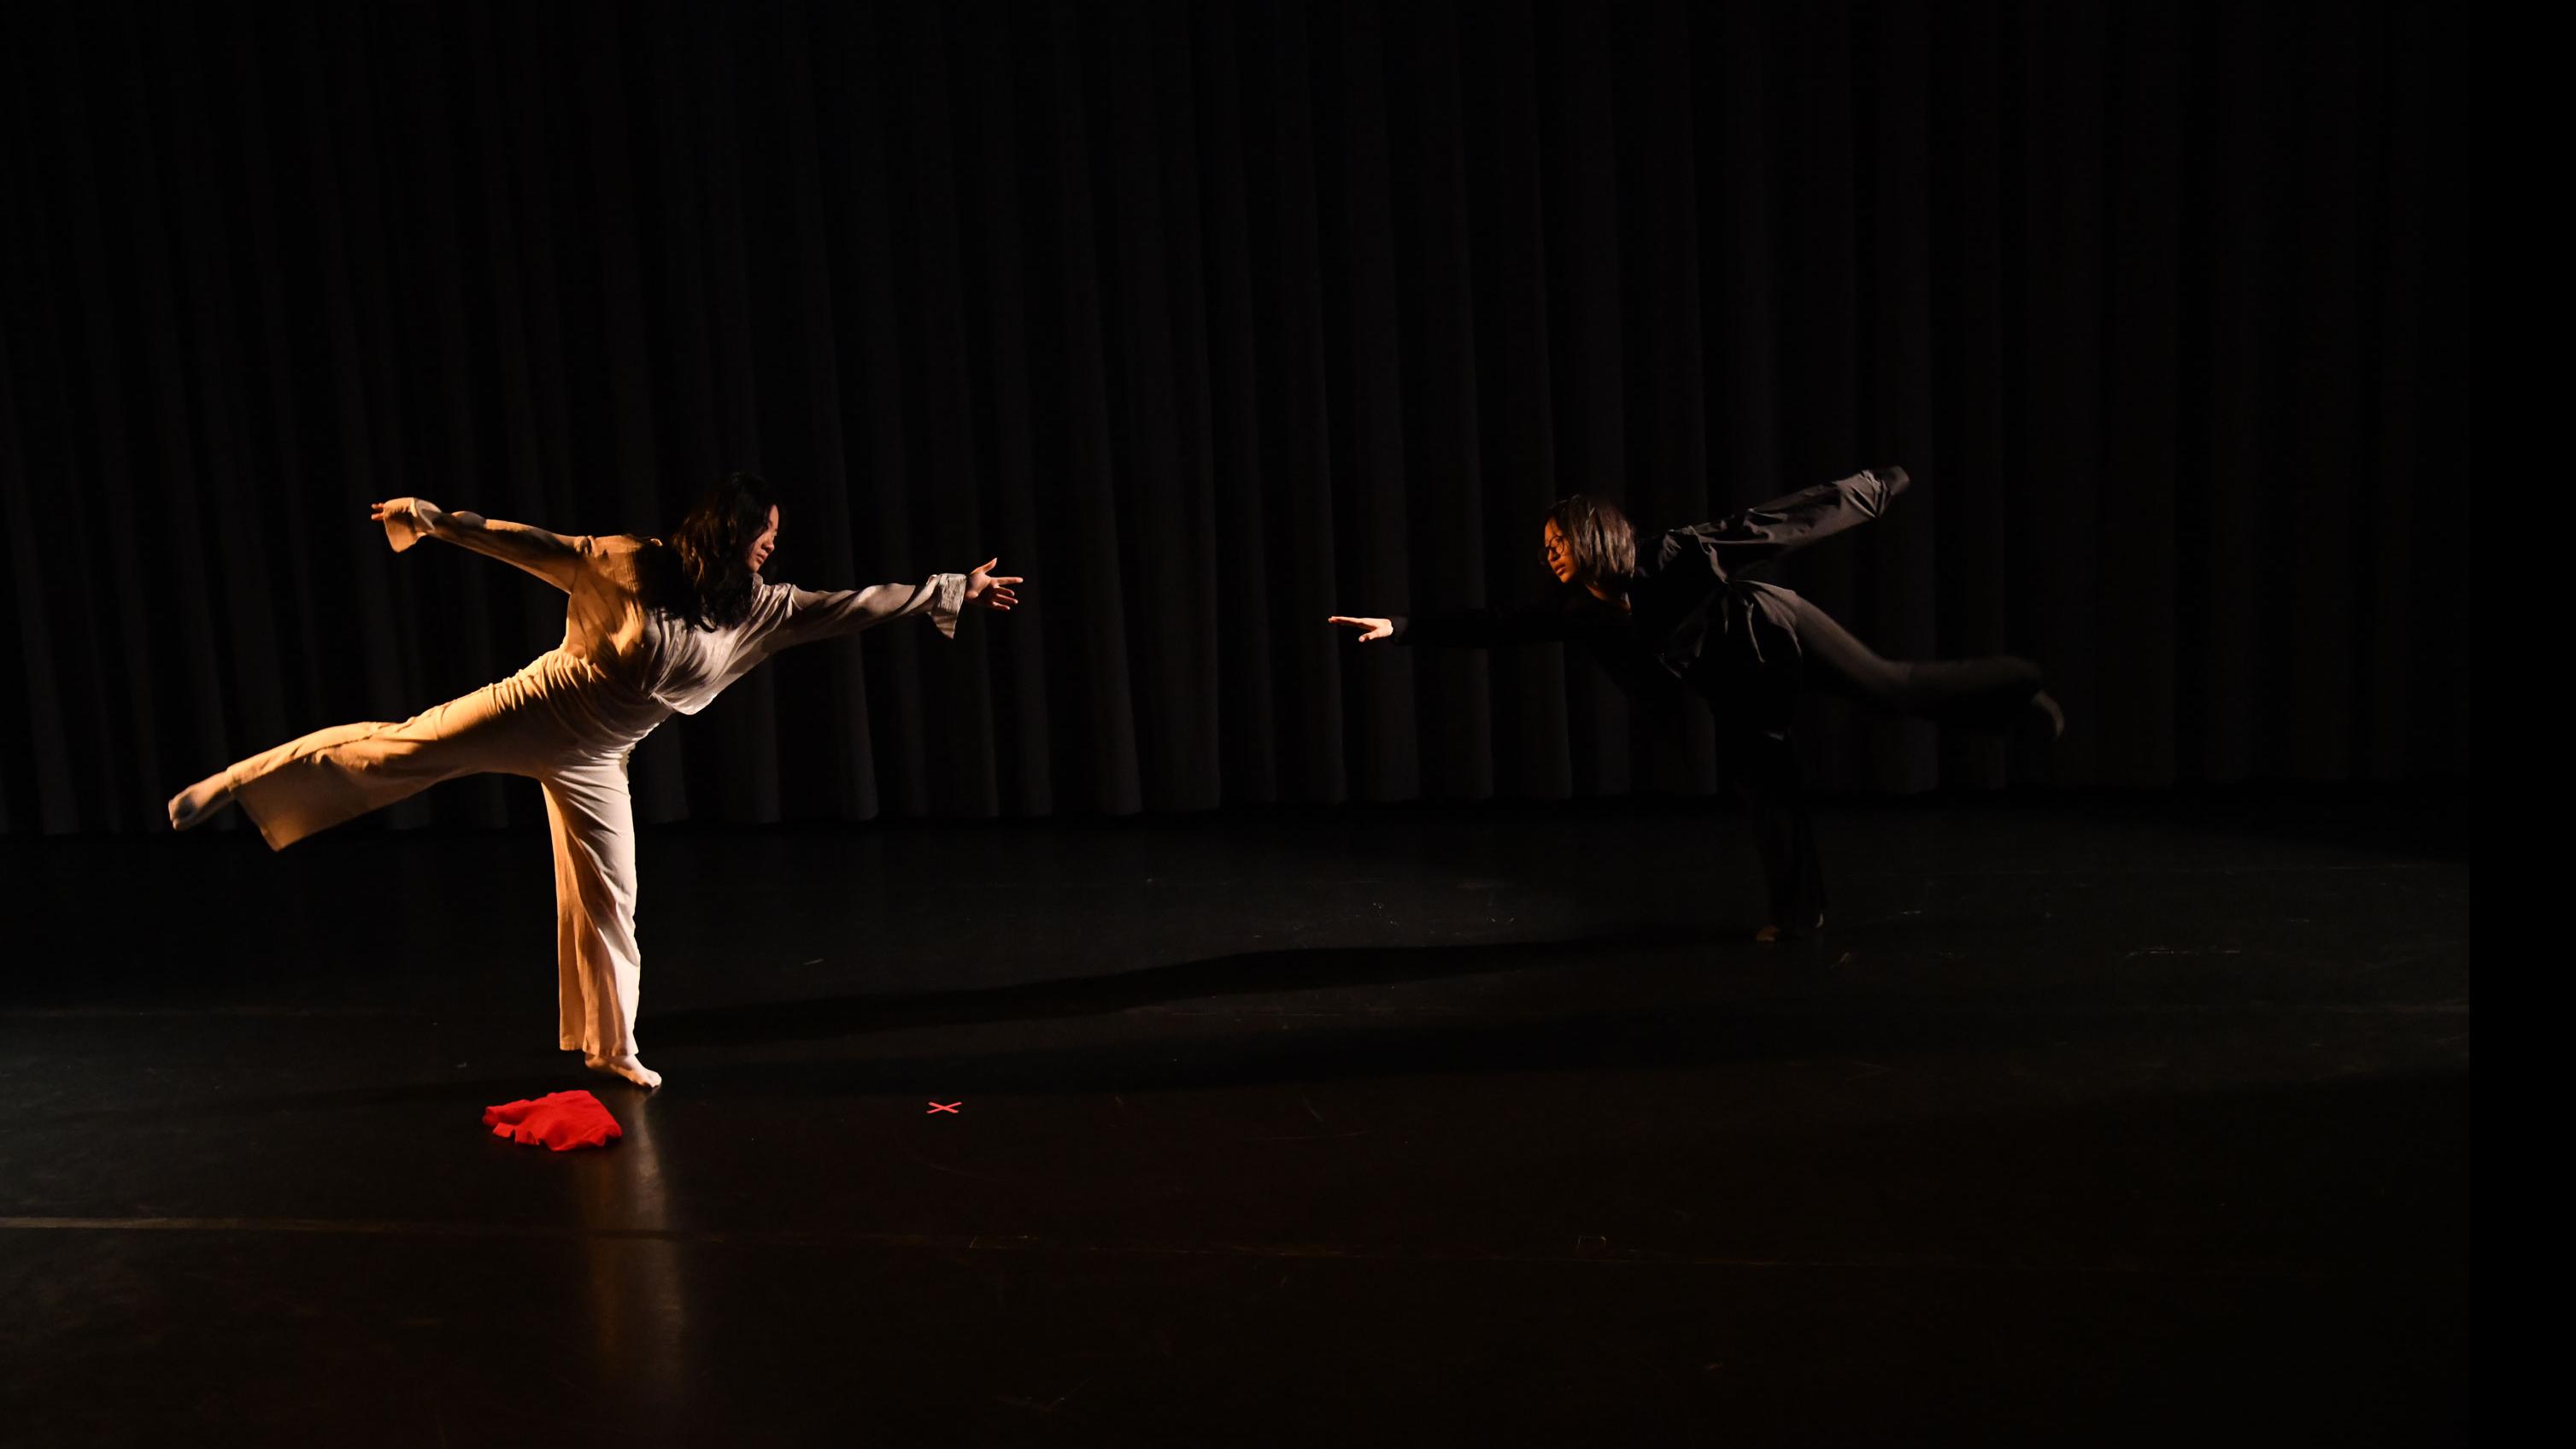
x: 1769, y: 934
x: 631, y: 1068
x: 200, y: 801
x: 2056, y: 717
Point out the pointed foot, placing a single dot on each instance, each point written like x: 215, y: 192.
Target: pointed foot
x: 201, y: 801
x: 2055, y: 717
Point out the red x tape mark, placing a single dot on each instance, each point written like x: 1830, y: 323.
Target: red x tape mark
x: 946, y: 1107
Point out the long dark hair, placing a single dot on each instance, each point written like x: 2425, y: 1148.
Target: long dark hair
x: 702, y: 572
x: 1599, y: 536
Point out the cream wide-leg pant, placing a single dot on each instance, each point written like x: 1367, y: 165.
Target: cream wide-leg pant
x: 558, y: 721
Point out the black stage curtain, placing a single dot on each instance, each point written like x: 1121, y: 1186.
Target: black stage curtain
x: 1214, y: 319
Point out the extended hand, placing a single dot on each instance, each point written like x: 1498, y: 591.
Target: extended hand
x: 1369, y: 628
x: 420, y: 513
x: 407, y: 520
x: 992, y: 590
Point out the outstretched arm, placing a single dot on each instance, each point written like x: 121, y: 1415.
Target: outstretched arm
x: 810, y: 614
x: 550, y: 556
x: 1767, y: 530
x: 1472, y: 627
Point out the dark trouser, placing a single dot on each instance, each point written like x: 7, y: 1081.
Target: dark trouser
x: 1763, y: 767
x: 1992, y: 692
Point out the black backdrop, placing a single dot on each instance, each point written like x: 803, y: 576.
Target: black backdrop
x: 1212, y: 320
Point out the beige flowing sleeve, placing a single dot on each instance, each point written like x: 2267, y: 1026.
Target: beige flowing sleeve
x: 554, y: 557
x: 801, y: 616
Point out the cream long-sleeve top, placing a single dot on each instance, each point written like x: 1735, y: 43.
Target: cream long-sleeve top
x: 645, y: 664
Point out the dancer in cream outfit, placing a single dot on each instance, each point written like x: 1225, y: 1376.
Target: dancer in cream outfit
x: 650, y: 628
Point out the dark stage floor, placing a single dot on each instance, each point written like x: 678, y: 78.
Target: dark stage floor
x: 2103, y: 1121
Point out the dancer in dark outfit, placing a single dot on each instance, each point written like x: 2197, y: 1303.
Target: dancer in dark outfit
x: 1675, y: 614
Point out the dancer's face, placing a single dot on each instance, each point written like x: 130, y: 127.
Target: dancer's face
x: 767, y: 544
x: 1560, y: 554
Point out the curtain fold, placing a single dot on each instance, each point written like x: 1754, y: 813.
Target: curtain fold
x: 1214, y: 320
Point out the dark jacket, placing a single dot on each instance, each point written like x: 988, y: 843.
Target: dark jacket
x: 1693, y: 620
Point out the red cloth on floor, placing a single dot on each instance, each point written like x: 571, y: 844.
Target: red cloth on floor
x: 560, y: 1120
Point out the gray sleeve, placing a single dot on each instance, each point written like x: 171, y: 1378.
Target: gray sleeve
x: 1767, y: 530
